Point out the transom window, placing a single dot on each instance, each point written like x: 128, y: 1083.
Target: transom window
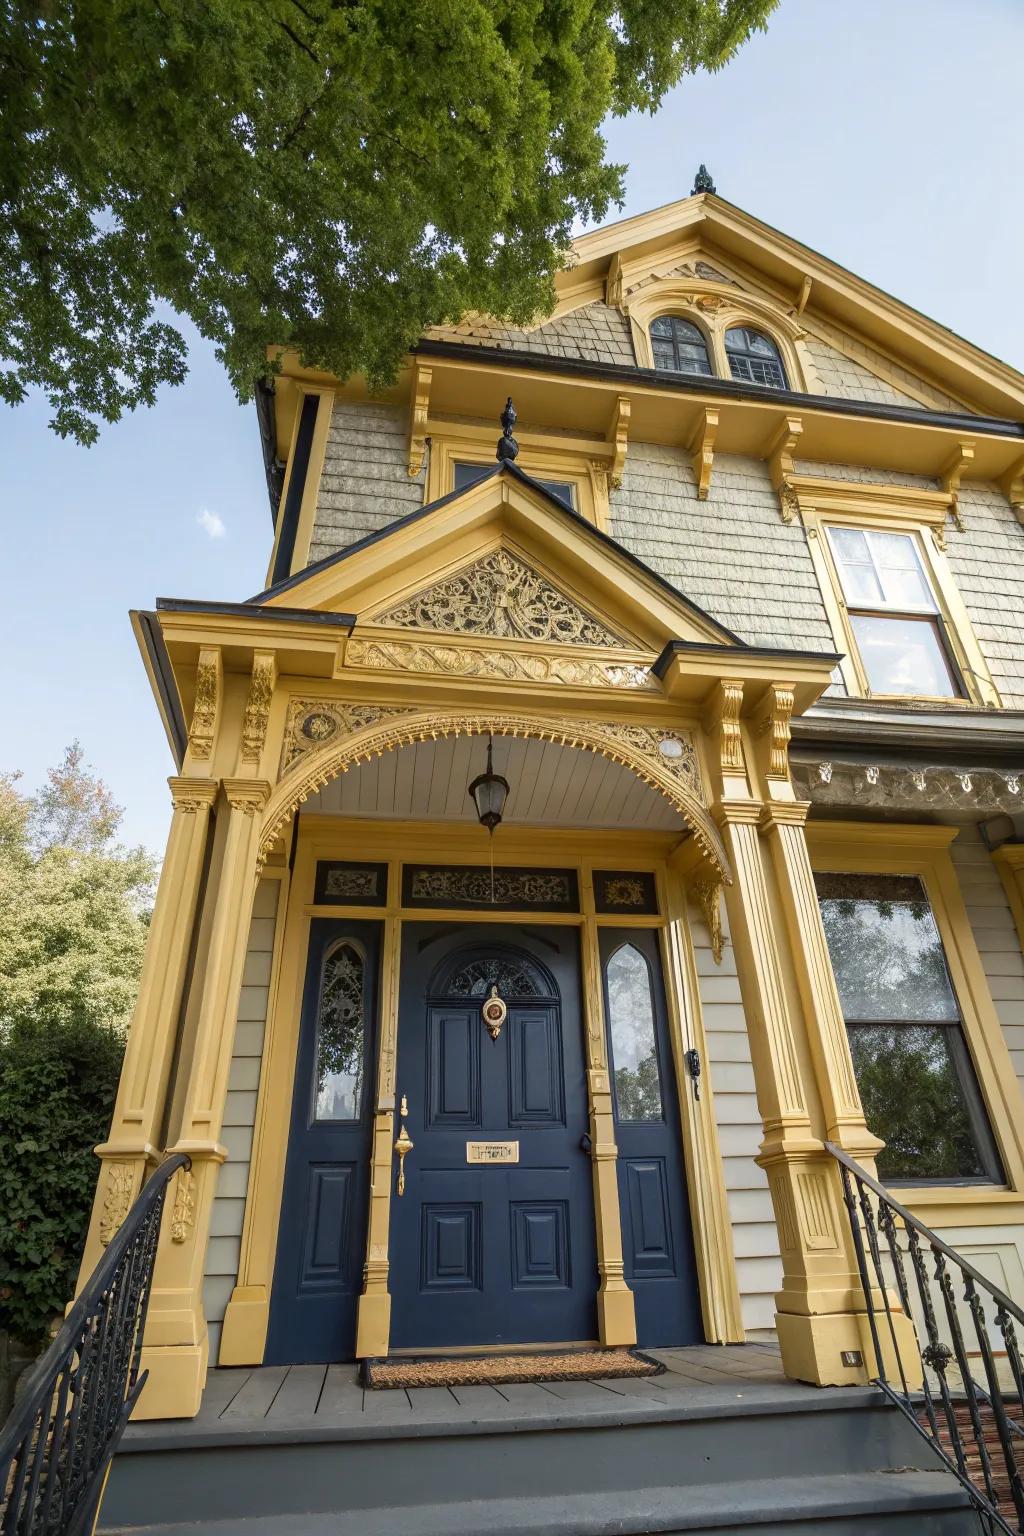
x: 893, y: 613
x: 913, y: 1068
x: 754, y: 357
x: 468, y: 474
x: 679, y: 346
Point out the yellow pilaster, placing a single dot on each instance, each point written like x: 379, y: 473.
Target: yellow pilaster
x: 373, y: 1322
x: 176, y: 1343
x: 134, y: 1143
x: 616, y: 1312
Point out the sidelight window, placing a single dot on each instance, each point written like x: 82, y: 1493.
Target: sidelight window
x: 341, y: 1035
x: 913, y: 1068
x: 630, y: 1000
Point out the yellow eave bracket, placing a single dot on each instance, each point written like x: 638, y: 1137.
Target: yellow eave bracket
x: 779, y: 454
x: 960, y: 460
x: 1012, y: 486
x: 419, y: 409
x: 618, y: 436
x: 701, y: 449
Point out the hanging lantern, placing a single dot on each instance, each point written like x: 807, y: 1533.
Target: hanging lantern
x: 489, y: 792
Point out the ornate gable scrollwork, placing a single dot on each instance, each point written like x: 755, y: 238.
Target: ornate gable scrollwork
x: 508, y: 666
x: 502, y: 596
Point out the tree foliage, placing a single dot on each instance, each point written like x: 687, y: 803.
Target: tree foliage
x: 327, y: 175
x: 74, y: 908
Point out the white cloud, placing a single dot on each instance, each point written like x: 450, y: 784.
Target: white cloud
x: 212, y: 524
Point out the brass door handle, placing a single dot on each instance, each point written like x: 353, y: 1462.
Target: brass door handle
x: 403, y: 1145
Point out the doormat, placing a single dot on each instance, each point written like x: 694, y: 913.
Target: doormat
x: 494, y: 1370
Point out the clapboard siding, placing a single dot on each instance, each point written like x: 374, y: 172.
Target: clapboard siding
x: 992, y: 924
x: 239, y: 1114
x: 755, y: 1241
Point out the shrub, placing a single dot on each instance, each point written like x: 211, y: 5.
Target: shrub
x: 57, y: 1087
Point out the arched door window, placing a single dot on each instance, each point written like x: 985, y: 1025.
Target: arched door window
x: 754, y: 357
x: 341, y: 1035
x: 634, y: 1044
x: 514, y: 975
x: 679, y: 346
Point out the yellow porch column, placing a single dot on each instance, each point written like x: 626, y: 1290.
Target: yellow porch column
x: 176, y: 1342
x: 136, y: 1131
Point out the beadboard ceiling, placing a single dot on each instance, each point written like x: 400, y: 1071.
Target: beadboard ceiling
x: 550, y: 784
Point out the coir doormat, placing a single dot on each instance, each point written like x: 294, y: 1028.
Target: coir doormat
x: 494, y: 1370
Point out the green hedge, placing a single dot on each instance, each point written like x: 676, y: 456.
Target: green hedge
x: 57, y: 1087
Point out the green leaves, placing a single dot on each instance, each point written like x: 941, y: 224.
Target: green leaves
x: 328, y: 175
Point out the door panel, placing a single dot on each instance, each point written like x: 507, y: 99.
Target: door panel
x: 319, y: 1269
x: 657, y: 1239
x: 485, y: 1254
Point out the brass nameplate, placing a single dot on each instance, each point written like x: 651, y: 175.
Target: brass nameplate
x: 492, y: 1151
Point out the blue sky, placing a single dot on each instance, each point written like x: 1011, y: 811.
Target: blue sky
x: 886, y: 134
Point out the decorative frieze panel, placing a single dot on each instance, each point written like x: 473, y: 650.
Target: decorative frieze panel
x: 507, y: 666
x: 906, y: 786
x: 501, y: 595
x: 350, y: 884
x: 472, y: 885
x: 630, y: 892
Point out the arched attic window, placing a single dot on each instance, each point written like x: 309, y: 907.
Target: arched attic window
x: 679, y: 346
x: 754, y: 357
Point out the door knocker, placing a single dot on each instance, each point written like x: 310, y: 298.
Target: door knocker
x: 494, y: 1012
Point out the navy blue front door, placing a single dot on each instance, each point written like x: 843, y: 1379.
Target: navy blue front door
x: 501, y: 1251
x: 322, y: 1238
x: 657, y: 1240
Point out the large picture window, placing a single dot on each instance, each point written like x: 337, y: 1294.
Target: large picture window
x: 893, y: 613
x: 913, y: 1068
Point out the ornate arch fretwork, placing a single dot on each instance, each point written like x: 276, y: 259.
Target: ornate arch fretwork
x: 562, y: 667
x: 660, y: 756
x: 313, y: 724
x: 500, y: 595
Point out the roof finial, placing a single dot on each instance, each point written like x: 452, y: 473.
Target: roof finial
x: 702, y: 181
x: 508, y: 448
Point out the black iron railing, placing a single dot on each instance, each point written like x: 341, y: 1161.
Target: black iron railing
x: 956, y: 1371
x: 57, y: 1445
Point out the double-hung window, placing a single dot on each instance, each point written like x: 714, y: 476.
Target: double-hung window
x: 893, y: 614
x: 910, y: 1056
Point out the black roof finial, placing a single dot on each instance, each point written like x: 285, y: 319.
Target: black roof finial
x: 702, y: 181
x: 508, y: 448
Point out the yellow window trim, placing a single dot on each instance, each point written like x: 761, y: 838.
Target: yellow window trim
x: 715, y: 308
x: 853, y: 847
x: 583, y: 463
x: 894, y: 509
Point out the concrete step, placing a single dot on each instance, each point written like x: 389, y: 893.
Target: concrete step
x: 900, y: 1502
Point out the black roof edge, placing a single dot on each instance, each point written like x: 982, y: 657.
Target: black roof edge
x: 164, y: 677
x: 606, y: 539
x: 248, y: 609
x: 272, y: 463
x: 676, y: 647
x: 730, y: 389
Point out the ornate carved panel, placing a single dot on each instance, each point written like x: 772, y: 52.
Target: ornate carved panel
x: 257, y: 708
x: 501, y: 595
x: 469, y: 885
x: 508, y: 666
x: 629, y: 891
x: 364, y: 885
x: 316, y: 723
x: 207, y: 703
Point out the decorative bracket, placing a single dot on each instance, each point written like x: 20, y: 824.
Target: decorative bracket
x: 209, y: 686
x: 419, y: 406
x: 780, y: 463
x: 257, y: 706
x: 708, y: 894
x: 961, y: 459
x: 618, y: 435
x: 775, y: 724
x: 613, y: 283
x: 1012, y: 486
x: 722, y: 717
x: 805, y: 293
x: 701, y: 449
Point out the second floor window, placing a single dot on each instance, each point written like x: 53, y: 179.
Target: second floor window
x: 679, y: 346
x: 893, y: 614
x: 754, y: 357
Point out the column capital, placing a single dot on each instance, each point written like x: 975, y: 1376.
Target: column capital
x: 190, y: 795
x: 738, y: 811
x: 248, y: 795
x: 784, y: 813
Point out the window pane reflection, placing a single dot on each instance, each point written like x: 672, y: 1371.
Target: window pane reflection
x: 340, y: 1036
x: 903, y: 656
x: 631, y: 1024
x: 914, y: 1100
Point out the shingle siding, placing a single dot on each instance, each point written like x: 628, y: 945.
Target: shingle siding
x: 365, y: 483
x: 851, y: 377
x: 731, y: 554
x: 594, y: 333
x: 995, y: 934
x: 987, y: 561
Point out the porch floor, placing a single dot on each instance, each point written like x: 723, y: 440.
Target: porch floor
x: 326, y: 1401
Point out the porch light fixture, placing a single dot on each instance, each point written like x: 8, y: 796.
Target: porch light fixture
x: 489, y: 792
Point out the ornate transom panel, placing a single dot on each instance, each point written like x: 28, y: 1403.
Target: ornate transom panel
x: 501, y: 595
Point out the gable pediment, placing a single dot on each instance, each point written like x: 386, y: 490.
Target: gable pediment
x: 500, y: 596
